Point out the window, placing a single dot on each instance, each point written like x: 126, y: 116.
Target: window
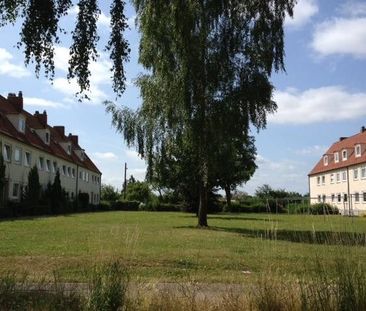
x: 357, y: 197
x: 319, y: 198
x: 73, y: 173
x: 355, y: 173
x: 69, y: 171
x: 21, y: 125
x: 47, y: 138
x: 15, y: 190
x: 338, y: 176
x: 40, y: 163
x: 69, y: 149
x: 331, y: 178
x: 363, y: 172
x: 344, y: 176
x: 345, y: 197
x: 87, y: 177
x: 325, y: 160
x: 339, y: 198
x: 333, y: 197
x: 344, y: 155
x: 48, y: 165
x: 7, y: 153
x: 323, y: 198
x: 27, y: 159
x: 63, y: 169
x: 18, y: 155
x: 80, y: 175
x: 318, y: 180
x: 336, y: 157
x: 364, y: 196
x: 358, y: 151
x: 54, y: 167
x: 323, y: 180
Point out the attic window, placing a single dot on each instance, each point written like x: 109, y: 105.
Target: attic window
x: 344, y: 155
x: 336, y: 157
x: 21, y: 125
x: 358, y: 151
x: 325, y: 160
x: 68, y: 149
x: 47, y: 138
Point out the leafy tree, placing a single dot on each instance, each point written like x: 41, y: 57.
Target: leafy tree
x: 2, y: 179
x: 58, y: 197
x: 40, y: 31
x: 109, y: 193
x: 33, y: 191
x: 267, y: 192
x: 209, y: 64
x: 138, y: 191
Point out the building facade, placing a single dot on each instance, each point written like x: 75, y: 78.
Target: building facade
x: 339, y: 178
x: 27, y: 140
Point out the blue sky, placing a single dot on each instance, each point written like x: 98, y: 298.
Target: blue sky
x: 321, y: 97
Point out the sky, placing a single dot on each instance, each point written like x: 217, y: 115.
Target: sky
x: 320, y: 97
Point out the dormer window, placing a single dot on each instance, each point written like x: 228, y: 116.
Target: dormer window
x: 336, y: 157
x: 68, y: 149
x: 21, y: 125
x: 357, y: 151
x: 344, y: 155
x: 47, y: 138
x: 325, y: 160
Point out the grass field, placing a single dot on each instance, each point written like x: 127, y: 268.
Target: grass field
x: 168, y: 247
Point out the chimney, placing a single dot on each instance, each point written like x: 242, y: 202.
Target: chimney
x: 42, y: 118
x: 60, y: 129
x: 363, y: 129
x: 342, y: 138
x: 74, y: 139
x: 16, y: 101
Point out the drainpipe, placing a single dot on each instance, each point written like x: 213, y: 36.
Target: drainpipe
x: 348, y: 193
x: 77, y: 182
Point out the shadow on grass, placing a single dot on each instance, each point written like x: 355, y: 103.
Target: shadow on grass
x: 309, y: 237
x: 231, y: 217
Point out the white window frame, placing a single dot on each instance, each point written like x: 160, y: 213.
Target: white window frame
x: 41, y: 163
x: 27, y: 161
x: 363, y: 172
x: 73, y: 173
x: 64, y: 170
x: 21, y: 125
x: 338, y: 177
x: 336, y: 157
x: 355, y: 173
x: 344, y: 155
x: 48, y: 165
x: 339, y: 198
x: 18, y: 151
x: 54, y: 167
x: 69, y: 171
x: 318, y: 180
x: 325, y: 160
x: 323, y: 180
x: 7, y: 152
x: 358, y: 151
x: 333, y: 197
x: 357, y: 197
x: 345, y: 197
x: 332, y: 178
x: 364, y: 196
x: 319, y: 198
x: 344, y: 176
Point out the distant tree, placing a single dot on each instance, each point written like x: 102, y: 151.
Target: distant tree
x: 267, y: 192
x: 131, y: 180
x: 138, y: 191
x: 109, y: 193
x: 58, y: 197
x: 33, y: 191
x: 2, y: 179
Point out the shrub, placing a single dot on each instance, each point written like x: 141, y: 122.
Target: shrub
x: 125, y: 205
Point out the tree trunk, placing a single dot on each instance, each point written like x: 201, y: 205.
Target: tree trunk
x: 202, y: 209
x: 228, y: 196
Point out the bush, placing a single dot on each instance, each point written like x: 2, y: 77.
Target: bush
x: 125, y: 205
x: 156, y: 206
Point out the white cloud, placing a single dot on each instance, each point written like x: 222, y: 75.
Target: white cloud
x: 315, y: 150
x: 41, y: 102
x: 353, y: 8
x: 132, y: 154
x: 10, y: 69
x: 131, y: 21
x: 288, y: 174
x: 105, y: 155
x: 325, y: 104
x: 341, y: 36
x: 303, y: 12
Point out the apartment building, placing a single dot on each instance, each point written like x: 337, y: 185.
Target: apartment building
x: 339, y: 178
x: 27, y: 140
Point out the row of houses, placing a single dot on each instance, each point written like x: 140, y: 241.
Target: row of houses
x: 339, y: 177
x: 27, y: 139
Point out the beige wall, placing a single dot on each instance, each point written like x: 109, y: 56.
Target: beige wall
x: 352, y: 186
x: 17, y: 173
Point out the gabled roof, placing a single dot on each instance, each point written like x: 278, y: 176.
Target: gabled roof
x: 349, y: 144
x: 31, y: 138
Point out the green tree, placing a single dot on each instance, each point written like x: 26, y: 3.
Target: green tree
x: 138, y: 191
x: 40, y: 31
x: 208, y: 63
x: 2, y: 179
x: 33, y: 190
x: 109, y: 193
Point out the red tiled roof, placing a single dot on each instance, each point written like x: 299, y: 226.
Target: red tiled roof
x: 32, y: 139
x: 346, y: 143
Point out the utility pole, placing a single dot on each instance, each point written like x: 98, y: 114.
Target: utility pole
x: 125, y: 183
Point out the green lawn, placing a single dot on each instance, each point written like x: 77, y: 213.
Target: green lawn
x: 168, y: 246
